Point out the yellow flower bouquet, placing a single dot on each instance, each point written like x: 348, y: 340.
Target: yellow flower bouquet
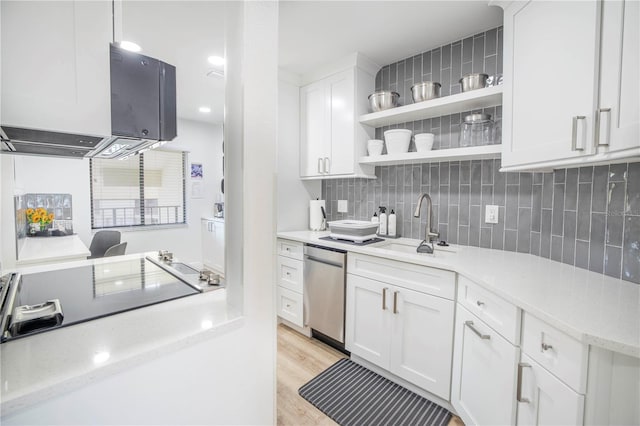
x: 39, y: 218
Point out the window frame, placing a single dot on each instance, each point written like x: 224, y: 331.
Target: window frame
x: 142, y: 226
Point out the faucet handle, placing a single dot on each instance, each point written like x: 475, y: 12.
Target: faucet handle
x: 433, y: 235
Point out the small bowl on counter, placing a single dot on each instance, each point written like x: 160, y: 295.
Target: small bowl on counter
x: 473, y: 82
x: 382, y: 100
x: 397, y: 140
x: 425, y: 91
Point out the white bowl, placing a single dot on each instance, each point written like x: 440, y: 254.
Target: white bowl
x: 374, y: 146
x: 397, y: 140
x: 424, y: 141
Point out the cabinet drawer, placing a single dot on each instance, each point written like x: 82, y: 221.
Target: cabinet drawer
x: 292, y: 249
x: 408, y: 275
x: 556, y: 351
x: 290, y: 274
x: 499, y: 314
x: 290, y: 306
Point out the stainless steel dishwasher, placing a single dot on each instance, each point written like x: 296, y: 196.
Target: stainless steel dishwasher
x: 324, y: 292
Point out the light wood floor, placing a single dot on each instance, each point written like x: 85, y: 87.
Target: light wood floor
x: 300, y: 359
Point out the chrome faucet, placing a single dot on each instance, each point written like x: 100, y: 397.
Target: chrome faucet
x: 424, y: 246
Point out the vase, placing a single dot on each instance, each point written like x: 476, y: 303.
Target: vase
x: 43, y: 227
x: 34, y: 228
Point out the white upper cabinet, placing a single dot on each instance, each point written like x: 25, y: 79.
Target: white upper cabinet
x: 550, y: 97
x: 331, y: 138
x: 618, y: 128
x: 55, y: 66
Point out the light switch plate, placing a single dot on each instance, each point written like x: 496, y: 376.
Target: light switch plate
x: 342, y: 206
x: 491, y: 214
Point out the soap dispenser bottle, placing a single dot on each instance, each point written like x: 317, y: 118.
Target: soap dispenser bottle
x: 392, y: 224
x: 383, y: 221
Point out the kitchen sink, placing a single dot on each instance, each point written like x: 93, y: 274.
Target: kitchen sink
x: 439, y: 251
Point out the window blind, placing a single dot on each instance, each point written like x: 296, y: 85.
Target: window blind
x: 144, y: 190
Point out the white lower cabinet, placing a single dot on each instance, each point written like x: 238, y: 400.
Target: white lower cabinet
x: 484, y: 373
x: 213, y: 244
x: 403, y: 331
x: 545, y: 400
x: 289, y: 288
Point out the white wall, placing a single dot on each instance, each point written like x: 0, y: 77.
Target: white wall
x: 293, y: 193
x: 59, y: 175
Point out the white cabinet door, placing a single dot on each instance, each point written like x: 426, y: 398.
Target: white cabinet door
x: 213, y: 245
x: 341, y: 93
x: 368, y: 322
x: 619, y: 114
x: 421, y: 339
x: 551, y: 57
x: 545, y: 400
x: 484, y: 373
x: 55, y: 66
x: 315, y: 142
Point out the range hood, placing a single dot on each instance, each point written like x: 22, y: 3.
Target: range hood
x: 143, y: 115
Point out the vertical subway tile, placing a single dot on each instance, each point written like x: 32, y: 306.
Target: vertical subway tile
x: 568, y: 245
x: 453, y: 224
x: 474, y: 226
x: 631, y: 250
x: 417, y: 68
x: 545, y: 235
x: 582, y: 254
x: 465, y: 172
x: 497, y: 234
x: 547, y: 191
x: 513, y: 178
x: 559, y: 175
x: 596, y: 242
x: 584, y: 211
x: 632, y: 206
x: 491, y: 65
x: 491, y: 42
x: 599, y: 194
x: 585, y: 175
x: 426, y: 66
x: 408, y: 70
x: 446, y: 56
x: 535, y: 243
x: 511, y: 211
x: 510, y: 239
x: 456, y: 62
x: 536, y: 207
x: 499, y: 186
x: 500, y: 53
x: 612, y: 261
x: 526, y: 188
x: 464, y: 204
x: 454, y: 184
x: 524, y: 230
x: 556, y: 248
x: 463, y: 235
x: 467, y: 49
x: 478, y: 53
x: 436, y: 65
x: 571, y: 189
x: 485, y: 237
x: 558, y: 209
x: 444, y: 173
x: 487, y: 171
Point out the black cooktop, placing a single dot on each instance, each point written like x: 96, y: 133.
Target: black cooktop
x: 95, y: 291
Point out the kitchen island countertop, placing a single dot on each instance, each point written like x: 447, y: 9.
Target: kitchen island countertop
x: 51, y: 250
x: 41, y: 366
x: 593, y: 308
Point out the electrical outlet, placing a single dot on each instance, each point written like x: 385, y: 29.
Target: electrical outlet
x: 491, y: 214
x: 342, y: 206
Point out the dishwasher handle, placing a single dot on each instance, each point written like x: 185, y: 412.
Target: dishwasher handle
x: 325, y: 261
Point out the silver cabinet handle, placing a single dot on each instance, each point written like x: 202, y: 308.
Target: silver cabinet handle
x: 574, y: 133
x: 519, y: 397
x: 479, y: 303
x: 607, y: 130
x: 327, y: 164
x: 476, y: 331
x: 546, y: 347
x: 319, y: 165
x: 384, y: 298
x: 395, y: 302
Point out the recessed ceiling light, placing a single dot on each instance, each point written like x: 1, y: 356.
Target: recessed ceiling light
x: 204, y: 109
x: 216, y: 61
x: 130, y: 46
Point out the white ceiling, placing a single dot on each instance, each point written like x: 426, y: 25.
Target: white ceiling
x: 312, y: 34
x: 316, y: 33
x: 184, y: 34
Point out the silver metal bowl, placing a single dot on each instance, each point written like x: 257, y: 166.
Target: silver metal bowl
x: 425, y: 91
x: 384, y: 99
x: 473, y: 82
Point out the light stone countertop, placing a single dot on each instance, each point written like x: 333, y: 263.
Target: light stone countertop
x: 593, y: 308
x: 38, y: 367
x: 52, y: 249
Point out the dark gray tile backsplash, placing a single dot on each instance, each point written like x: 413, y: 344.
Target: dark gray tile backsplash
x: 587, y: 217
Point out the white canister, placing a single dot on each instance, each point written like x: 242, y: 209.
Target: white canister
x: 374, y: 147
x: 424, y: 141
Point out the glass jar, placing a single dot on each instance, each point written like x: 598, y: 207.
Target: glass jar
x: 477, y: 129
